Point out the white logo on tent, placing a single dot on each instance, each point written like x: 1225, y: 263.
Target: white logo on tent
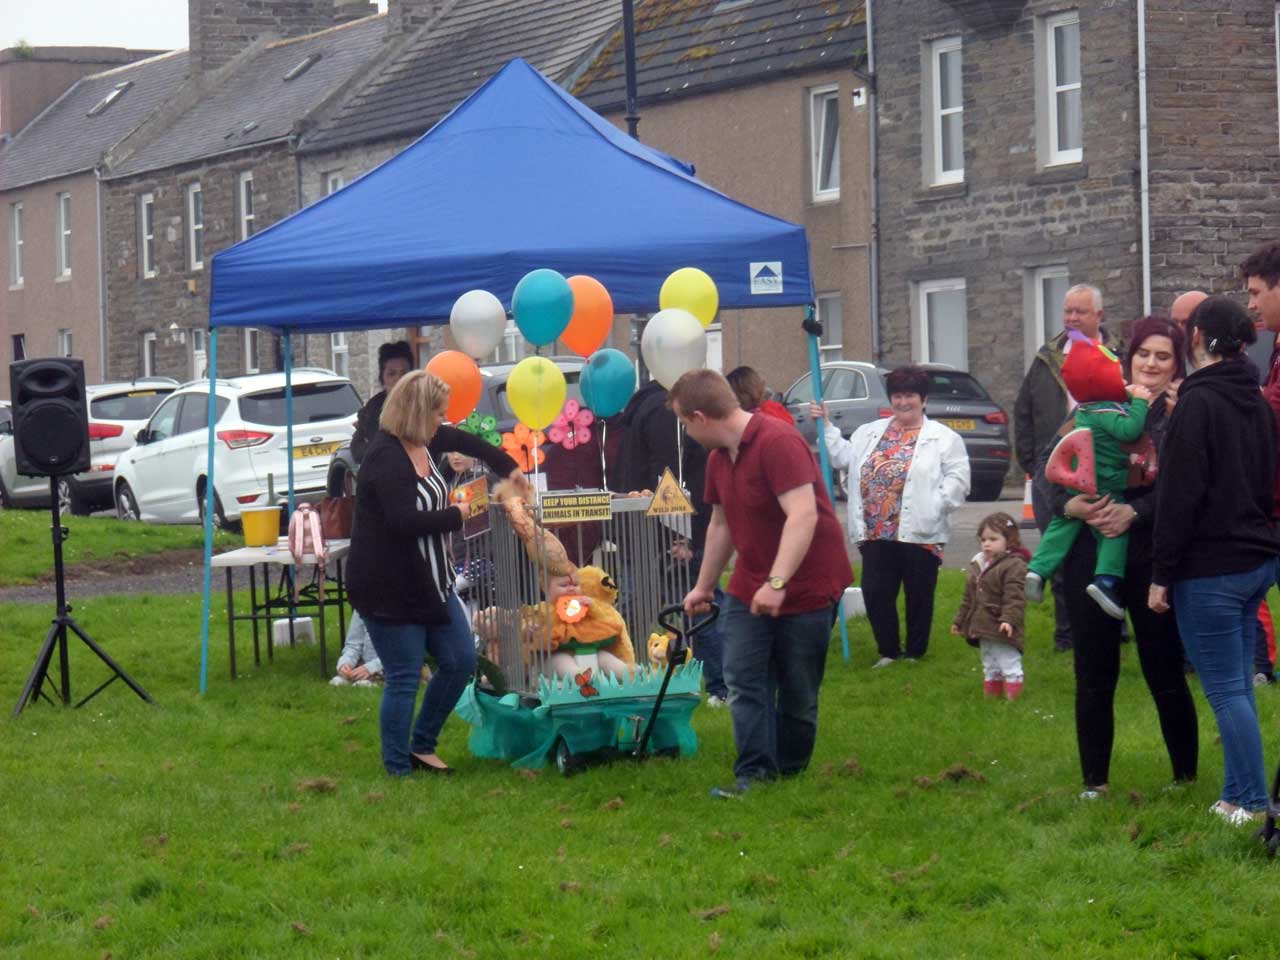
x: 766, y: 277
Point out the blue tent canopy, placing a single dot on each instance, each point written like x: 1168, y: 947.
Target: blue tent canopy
x: 519, y: 176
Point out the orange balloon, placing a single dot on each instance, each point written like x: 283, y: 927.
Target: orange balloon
x: 463, y: 377
x: 592, y: 318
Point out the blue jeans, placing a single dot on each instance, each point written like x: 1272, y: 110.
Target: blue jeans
x: 708, y: 646
x: 1217, y: 618
x: 402, y: 647
x: 774, y: 667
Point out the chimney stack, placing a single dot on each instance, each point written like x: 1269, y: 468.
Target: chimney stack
x: 221, y: 29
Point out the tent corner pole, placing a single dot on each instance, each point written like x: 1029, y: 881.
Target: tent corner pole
x: 209, y: 500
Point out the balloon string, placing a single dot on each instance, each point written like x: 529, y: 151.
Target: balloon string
x: 604, y: 469
x: 680, y: 452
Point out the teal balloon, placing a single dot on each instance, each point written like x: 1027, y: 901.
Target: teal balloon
x: 542, y: 305
x: 607, y: 382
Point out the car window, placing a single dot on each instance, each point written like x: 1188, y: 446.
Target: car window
x: 195, y: 412
x: 843, y: 384
x: 948, y: 385
x: 6, y: 420
x: 130, y: 405
x: 312, y: 403
x: 163, y: 423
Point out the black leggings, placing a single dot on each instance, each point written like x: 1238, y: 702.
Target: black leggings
x: 887, y: 567
x: 1097, y: 668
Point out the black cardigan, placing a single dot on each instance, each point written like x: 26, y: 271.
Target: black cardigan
x: 387, y: 577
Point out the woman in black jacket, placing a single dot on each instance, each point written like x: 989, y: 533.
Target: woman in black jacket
x: 394, y: 361
x: 1215, y: 546
x: 399, y: 574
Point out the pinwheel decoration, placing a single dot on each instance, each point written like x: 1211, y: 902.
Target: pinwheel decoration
x: 484, y: 426
x: 525, y: 446
x: 573, y: 427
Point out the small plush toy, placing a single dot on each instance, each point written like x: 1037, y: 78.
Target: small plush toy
x: 659, y: 644
x: 543, y: 547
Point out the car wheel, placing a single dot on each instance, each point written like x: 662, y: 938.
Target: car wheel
x: 338, y: 480
x: 126, y: 503
x: 220, y: 521
x: 567, y: 762
x: 70, y: 499
x: 987, y: 489
x: 5, y: 500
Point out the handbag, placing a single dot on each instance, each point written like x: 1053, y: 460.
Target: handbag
x: 336, y: 515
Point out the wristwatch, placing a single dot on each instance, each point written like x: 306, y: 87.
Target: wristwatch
x: 777, y: 583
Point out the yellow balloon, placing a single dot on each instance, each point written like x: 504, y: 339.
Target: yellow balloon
x: 692, y: 290
x: 536, y: 392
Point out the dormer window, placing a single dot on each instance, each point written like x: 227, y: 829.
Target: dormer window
x: 115, y: 94
x: 301, y: 67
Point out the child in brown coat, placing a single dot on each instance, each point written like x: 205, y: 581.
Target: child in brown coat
x: 991, y: 614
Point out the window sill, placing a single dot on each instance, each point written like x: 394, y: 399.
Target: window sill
x: 943, y: 191
x: 16, y: 286
x: 198, y: 268
x: 149, y: 276
x: 826, y: 200
x: 1060, y: 173
x: 65, y: 278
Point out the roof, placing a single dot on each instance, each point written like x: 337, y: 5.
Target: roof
x: 687, y: 46
x: 449, y: 58
x: 257, y: 93
x: 64, y: 139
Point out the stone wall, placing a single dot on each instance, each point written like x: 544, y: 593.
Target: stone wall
x: 220, y: 29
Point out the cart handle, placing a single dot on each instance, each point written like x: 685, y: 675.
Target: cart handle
x: 678, y: 608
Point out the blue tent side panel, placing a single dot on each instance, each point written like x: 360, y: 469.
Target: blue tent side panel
x: 519, y: 176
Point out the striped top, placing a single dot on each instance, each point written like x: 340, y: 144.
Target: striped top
x: 432, y: 493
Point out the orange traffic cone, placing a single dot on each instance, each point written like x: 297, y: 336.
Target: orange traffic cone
x: 1028, y: 512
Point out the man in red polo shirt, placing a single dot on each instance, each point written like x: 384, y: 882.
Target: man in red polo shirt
x: 770, y: 505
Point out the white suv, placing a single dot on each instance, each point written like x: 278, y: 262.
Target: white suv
x: 163, y: 477
x: 116, y: 411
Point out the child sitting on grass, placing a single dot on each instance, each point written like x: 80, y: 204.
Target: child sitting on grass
x: 991, y: 614
x: 359, y: 664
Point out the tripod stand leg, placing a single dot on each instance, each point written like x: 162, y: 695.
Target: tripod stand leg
x: 40, y: 671
x: 105, y: 657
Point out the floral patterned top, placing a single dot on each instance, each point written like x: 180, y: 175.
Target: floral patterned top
x: 883, y: 478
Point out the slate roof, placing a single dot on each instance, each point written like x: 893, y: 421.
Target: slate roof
x: 257, y: 93
x: 690, y: 46
x: 447, y: 60
x: 63, y: 140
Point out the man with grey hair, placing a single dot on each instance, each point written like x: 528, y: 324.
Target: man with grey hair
x: 1043, y: 405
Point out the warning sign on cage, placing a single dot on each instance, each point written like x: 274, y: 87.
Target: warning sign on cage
x: 475, y: 492
x: 669, y: 500
x: 575, y: 507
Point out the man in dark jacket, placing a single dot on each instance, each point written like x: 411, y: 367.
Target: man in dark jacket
x: 1042, y: 407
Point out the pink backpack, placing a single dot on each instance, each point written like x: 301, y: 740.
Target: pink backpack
x: 305, y: 537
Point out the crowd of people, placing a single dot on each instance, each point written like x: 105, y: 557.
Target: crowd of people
x: 1181, y: 506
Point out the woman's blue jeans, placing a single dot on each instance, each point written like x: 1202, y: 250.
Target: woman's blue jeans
x: 402, y: 647
x: 1217, y: 619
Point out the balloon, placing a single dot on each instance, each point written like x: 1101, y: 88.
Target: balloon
x: 536, y: 391
x: 692, y: 290
x: 592, y: 317
x: 477, y: 322
x: 607, y: 381
x: 673, y: 343
x: 463, y: 377
x: 542, y: 305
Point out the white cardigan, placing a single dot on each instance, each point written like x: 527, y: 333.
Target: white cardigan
x: 937, y: 480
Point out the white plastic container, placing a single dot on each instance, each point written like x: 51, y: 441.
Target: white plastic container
x: 852, y: 606
x: 303, y: 631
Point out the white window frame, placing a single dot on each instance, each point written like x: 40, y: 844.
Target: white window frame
x: 64, y: 342
x: 937, y: 175
x: 1039, y: 318
x: 921, y: 305
x: 17, y: 243
x: 340, y: 353
x: 199, y: 353
x: 1053, y: 154
x: 147, y: 235
x: 333, y: 182
x: 818, y: 98
x: 829, y: 348
x: 244, y: 201
x: 513, y: 347
x: 249, y: 344
x: 63, y: 218
x: 195, y: 229
x: 149, y: 354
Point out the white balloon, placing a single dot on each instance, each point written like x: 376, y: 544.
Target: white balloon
x: 673, y: 343
x: 477, y: 322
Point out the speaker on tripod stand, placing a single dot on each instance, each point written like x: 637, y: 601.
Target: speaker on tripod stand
x: 51, y: 439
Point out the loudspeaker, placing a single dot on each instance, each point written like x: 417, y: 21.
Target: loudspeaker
x: 50, y: 416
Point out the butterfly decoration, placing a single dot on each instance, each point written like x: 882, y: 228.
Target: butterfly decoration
x: 481, y: 425
x: 573, y: 427
x: 525, y: 446
x: 583, y: 680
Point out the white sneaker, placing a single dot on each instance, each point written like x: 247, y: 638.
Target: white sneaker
x: 1034, y: 588
x: 1239, y: 817
x: 338, y: 681
x: 1260, y: 680
x: 363, y: 683
x: 715, y: 702
x: 1092, y: 794
x: 882, y: 662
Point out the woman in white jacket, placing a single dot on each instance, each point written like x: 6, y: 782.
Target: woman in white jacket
x: 907, y: 473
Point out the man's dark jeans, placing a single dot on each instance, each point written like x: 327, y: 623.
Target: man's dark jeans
x: 708, y: 645
x: 1043, y: 509
x: 774, y: 667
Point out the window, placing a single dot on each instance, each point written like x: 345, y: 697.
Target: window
x: 312, y: 403
x: 1045, y: 290
x: 824, y: 135
x: 944, y: 108
x: 164, y: 423
x: 250, y: 344
x: 148, y: 354
x: 195, y: 411
x: 513, y: 347
x: 112, y: 96
x: 64, y: 235
x: 333, y: 182
x: 1059, y: 121
x: 942, y: 334
x: 64, y: 342
x: 715, y: 346
x: 195, y: 228
x: 199, y: 354
x: 246, y: 205
x: 341, y: 354
x: 16, y: 242
x: 147, y: 234
x: 19, y: 341
x: 831, y: 316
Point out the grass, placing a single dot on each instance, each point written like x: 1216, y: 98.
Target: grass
x: 28, y: 549
x: 255, y: 822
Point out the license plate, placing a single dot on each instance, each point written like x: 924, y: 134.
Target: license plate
x: 961, y: 424
x: 315, y: 450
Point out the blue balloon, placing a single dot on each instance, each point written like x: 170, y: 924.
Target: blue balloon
x: 607, y: 382
x: 542, y: 305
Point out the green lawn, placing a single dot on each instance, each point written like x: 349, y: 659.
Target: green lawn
x: 27, y: 552
x: 255, y: 822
